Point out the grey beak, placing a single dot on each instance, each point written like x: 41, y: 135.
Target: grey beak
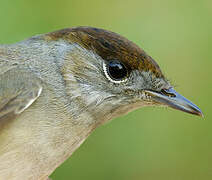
x: 172, y: 99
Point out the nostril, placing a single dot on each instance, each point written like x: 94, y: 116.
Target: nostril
x: 167, y: 93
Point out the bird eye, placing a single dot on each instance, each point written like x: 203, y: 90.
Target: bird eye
x: 115, y: 71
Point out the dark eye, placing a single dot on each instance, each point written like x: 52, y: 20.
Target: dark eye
x: 115, y: 71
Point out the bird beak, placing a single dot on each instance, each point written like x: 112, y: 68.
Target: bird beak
x: 171, y: 98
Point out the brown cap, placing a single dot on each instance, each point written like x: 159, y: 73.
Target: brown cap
x: 110, y: 46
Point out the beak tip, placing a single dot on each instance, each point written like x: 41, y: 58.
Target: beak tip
x: 196, y: 111
x: 200, y: 114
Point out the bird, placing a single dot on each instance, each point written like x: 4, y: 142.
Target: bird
x: 57, y: 88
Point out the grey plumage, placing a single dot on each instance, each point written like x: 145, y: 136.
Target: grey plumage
x: 54, y: 93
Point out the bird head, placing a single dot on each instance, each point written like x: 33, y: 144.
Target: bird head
x: 111, y: 75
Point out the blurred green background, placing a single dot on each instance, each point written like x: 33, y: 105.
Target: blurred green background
x: 150, y: 143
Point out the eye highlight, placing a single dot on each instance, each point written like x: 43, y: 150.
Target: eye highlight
x: 115, y: 71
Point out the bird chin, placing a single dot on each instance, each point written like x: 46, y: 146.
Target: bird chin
x: 127, y: 108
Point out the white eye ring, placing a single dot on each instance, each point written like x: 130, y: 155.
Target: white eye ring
x: 108, y: 76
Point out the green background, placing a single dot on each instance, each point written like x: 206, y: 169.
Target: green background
x: 150, y: 143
